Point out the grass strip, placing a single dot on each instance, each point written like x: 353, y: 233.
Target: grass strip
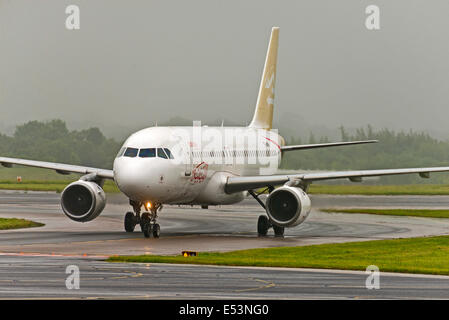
x: 110, y: 187
x: 395, y: 212
x: 57, y: 186
x: 428, y: 255
x: 414, y: 189
x: 13, y: 223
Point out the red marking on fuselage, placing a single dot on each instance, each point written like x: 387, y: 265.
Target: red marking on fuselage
x: 273, y: 142
x: 199, y: 173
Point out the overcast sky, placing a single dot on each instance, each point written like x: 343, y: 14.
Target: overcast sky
x: 136, y: 62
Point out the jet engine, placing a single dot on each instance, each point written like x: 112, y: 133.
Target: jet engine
x: 288, y: 206
x: 83, y: 201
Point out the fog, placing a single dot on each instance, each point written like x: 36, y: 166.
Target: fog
x: 135, y: 63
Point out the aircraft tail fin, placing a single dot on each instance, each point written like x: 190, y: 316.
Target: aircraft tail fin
x: 263, y: 115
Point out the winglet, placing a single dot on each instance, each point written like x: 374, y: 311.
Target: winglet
x: 263, y: 115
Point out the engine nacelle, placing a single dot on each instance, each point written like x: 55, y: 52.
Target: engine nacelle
x: 83, y: 201
x: 288, y: 206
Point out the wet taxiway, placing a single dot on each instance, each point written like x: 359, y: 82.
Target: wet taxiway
x: 192, y: 228
x: 45, y: 278
x: 33, y: 261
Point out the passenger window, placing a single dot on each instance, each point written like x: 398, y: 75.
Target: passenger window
x: 147, y: 153
x: 121, y: 152
x: 169, y: 154
x: 131, y: 152
x: 161, y: 153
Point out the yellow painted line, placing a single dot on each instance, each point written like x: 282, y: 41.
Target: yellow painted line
x: 49, y: 280
x: 89, y: 241
x: 111, y: 297
x: 131, y: 274
x: 37, y: 254
x: 137, y: 275
x: 268, y: 284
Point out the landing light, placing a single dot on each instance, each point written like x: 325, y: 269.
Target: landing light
x: 148, y: 205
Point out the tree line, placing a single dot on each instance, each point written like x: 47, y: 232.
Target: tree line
x: 53, y: 141
x: 394, y: 150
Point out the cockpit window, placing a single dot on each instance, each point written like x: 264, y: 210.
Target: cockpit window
x: 169, y: 154
x: 120, y: 153
x: 161, y: 153
x: 131, y: 152
x: 147, y: 153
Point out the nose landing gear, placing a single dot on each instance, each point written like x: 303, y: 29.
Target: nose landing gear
x: 147, y: 220
x: 148, y: 224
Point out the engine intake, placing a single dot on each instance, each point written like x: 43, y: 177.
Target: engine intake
x: 288, y: 206
x: 83, y: 201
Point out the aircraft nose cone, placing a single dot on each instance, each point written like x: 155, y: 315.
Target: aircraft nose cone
x: 130, y: 180
x: 142, y: 180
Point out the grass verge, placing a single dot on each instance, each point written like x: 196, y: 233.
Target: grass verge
x: 395, y: 212
x: 13, y: 223
x: 51, y: 185
x: 36, y: 179
x: 428, y: 255
x: 414, y: 189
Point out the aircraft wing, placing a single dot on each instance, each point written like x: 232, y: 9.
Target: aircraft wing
x: 58, y: 167
x: 324, y: 145
x: 243, y: 183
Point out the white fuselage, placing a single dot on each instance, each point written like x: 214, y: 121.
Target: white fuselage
x: 196, y: 162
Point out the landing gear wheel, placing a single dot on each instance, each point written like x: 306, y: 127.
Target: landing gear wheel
x: 147, y: 220
x: 130, y: 222
x: 156, y: 230
x: 278, y: 231
x: 262, y: 226
x: 145, y: 224
x: 147, y: 230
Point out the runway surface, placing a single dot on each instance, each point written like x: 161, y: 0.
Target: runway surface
x: 33, y: 261
x: 45, y: 278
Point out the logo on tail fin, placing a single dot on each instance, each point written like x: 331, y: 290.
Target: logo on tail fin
x: 270, y: 84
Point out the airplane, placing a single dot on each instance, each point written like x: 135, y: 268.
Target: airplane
x: 201, y: 165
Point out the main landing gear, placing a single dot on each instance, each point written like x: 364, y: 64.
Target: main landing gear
x: 147, y: 220
x: 263, y: 223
